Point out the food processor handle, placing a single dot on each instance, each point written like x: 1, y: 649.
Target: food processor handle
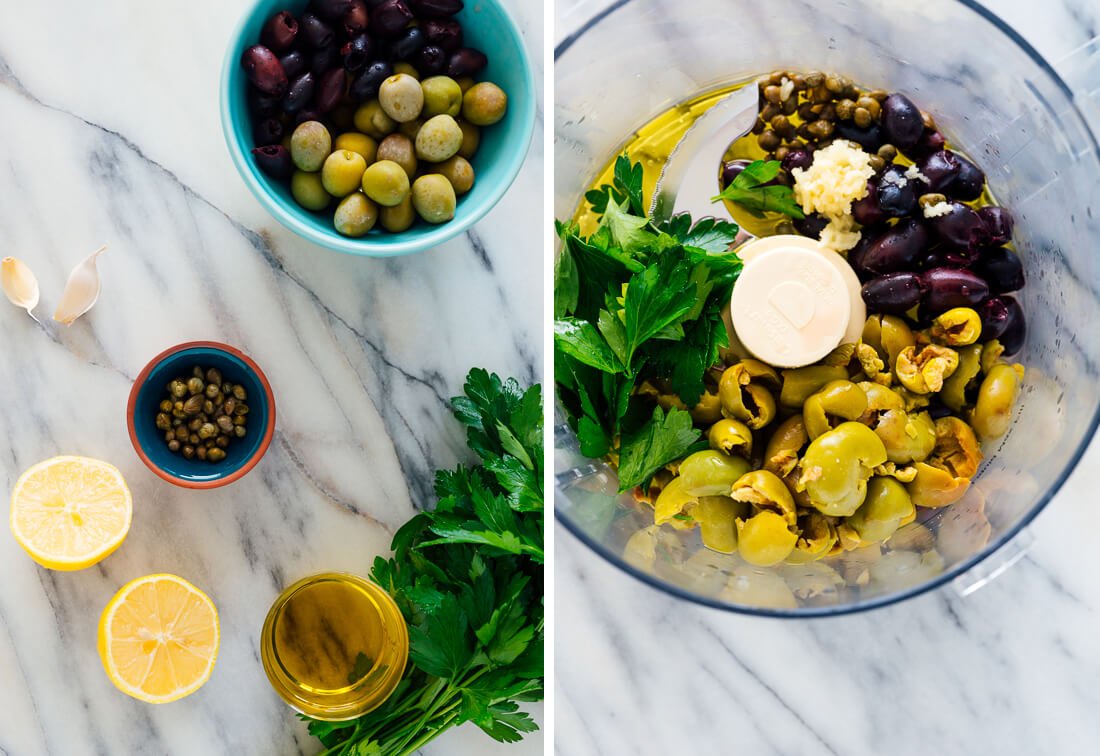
x: 995, y: 565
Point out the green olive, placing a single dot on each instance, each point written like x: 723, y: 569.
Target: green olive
x: 356, y: 142
x: 410, y: 128
x: 442, y: 95
x: 908, y: 437
x: 672, y: 501
x: 836, y: 467
x: 459, y: 172
x: 398, y: 218
x: 709, y: 408
x: 870, y: 361
x: 764, y: 490
x: 355, y: 215
x: 407, y: 69
x: 839, y: 357
x: 925, y: 371
x: 764, y: 539
x: 342, y: 172
x: 992, y: 351
x: 882, y: 512
x: 401, y: 97
x: 471, y: 138
x: 373, y: 121
x: 711, y: 473
x: 399, y: 148
x: 484, y: 104
x: 310, y: 144
x: 434, y: 198
x: 386, y: 183
x: 959, y: 326
x: 716, y: 516
x: 959, y: 383
x: 438, y: 139
x: 800, y: 383
x: 957, y: 448
x: 935, y: 487
x: 308, y: 191
x: 889, y: 335
x: 842, y: 399
x: 817, y: 538
x: 785, y: 446
x: 731, y: 437
x: 744, y: 393
x: 996, y: 398
x: 881, y: 398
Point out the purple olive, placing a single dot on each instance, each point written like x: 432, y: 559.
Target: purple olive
x: 274, y: 160
x: 279, y: 32
x: 901, y: 121
x: 389, y: 18
x: 409, y: 43
x: 896, y: 193
x: 1001, y: 268
x: 443, y: 33
x: 894, y: 293
x: 930, y: 141
x: 263, y: 105
x: 466, y: 62
x: 366, y: 85
x: 937, y: 410
x: 946, y: 257
x: 267, y: 131
x: 994, y: 315
x: 960, y: 227
x: 940, y: 168
x: 866, y: 211
x: 331, y: 10
x: 1015, y: 333
x: 325, y: 59
x: 869, y: 138
x: 896, y: 249
x: 315, y: 32
x: 969, y: 182
x: 355, y: 20
x: 300, y: 93
x: 430, y: 60
x: 264, y: 70
x: 857, y: 253
x: 330, y: 90
x: 952, y: 287
x: 435, y: 8
x: 812, y: 225
x: 731, y: 169
x: 798, y: 158
x: 309, y: 114
x: 357, y: 53
x: 997, y: 223
x: 294, y: 64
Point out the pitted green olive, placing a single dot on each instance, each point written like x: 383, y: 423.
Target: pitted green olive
x: 744, y: 391
x: 842, y: 399
x: 764, y: 539
x: 992, y: 351
x: 957, y: 385
x: 935, y: 487
x: 785, y: 446
x: 908, y: 437
x: 996, y: 398
x: 873, y: 366
x: 886, y: 506
x: 799, y: 384
x: 708, y: 410
x: 841, y: 356
x: 836, y: 467
x: 889, y: 335
x: 957, y: 448
x: 817, y: 537
x: 731, y: 437
x: 716, y: 515
x: 959, y: 326
x: 924, y: 372
x: 765, y: 491
x: 710, y: 473
x: 672, y: 501
x: 880, y: 398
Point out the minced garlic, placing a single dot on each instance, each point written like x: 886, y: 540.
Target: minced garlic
x: 836, y: 178
x: 936, y: 210
x: 913, y: 172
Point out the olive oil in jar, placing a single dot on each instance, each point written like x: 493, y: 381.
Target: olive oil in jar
x: 334, y: 646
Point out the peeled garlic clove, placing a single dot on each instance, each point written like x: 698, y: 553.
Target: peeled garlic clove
x: 81, y: 290
x: 19, y: 283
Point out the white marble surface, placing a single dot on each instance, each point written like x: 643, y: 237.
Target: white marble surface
x: 1010, y: 669
x: 110, y: 134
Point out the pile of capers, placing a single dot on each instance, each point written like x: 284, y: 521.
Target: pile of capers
x: 815, y: 461
x: 202, y: 414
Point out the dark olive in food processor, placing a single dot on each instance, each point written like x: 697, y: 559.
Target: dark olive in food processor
x: 897, y: 248
x: 366, y: 85
x: 274, y: 160
x: 930, y: 141
x: 446, y: 34
x: 731, y: 169
x: 952, y: 287
x: 896, y: 193
x: 389, y: 18
x: 279, y: 32
x: 798, y: 157
x: 812, y: 225
x: 901, y: 121
x: 940, y: 168
x: 894, y: 293
x: 294, y: 64
x: 315, y: 32
x: 466, y: 62
x: 866, y: 211
x: 1015, y: 329
x: 969, y: 181
x: 994, y: 315
x: 264, y: 70
x: 869, y: 138
x: 1001, y: 268
x: 960, y: 227
x: 997, y: 224
x: 299, y: 93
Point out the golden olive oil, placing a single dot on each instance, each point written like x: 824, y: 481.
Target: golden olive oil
x: 334, y: 646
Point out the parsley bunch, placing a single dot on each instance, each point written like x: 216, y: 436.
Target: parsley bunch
x: 638, y: 300
x: 468, y: 577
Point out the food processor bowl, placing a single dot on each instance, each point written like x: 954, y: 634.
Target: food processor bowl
x: 995, y: 98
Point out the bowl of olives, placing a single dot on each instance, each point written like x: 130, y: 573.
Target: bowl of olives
x: 377, y: 127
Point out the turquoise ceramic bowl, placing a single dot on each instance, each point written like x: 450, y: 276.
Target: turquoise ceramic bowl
x: 150, y: 388
x: 487, y: 26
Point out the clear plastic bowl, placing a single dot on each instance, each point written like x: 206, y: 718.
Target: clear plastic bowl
x: 1003, y: 104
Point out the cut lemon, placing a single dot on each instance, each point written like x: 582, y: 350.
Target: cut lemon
x: 69, y: 513
x: 158, y: 638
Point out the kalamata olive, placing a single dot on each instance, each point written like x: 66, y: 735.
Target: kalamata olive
x: 430, y: 60
x: 866, y: 211
x: 330, y: 10
x: 409, y: 43
x: 856, y: 254
x: 952, y: 287
x: 300, y: 93
x: 263, y: 105
x: 325, y: 59
x: 901, y: 121
x: 389, y: 18
x: 443, y: 33
x: 937, y: 410
x: 264, y: 70
x: 315, y: 32
x: 731, y: 169
x: 435, y: 8
x: 893, y: 293
x: 994, y: 315
x: 330, y: 90
x: 997, y: 223
x: 940, y: 168
x: 797, y: 158
x: 969, y: 182
x: 897, y: 194
x: 355, y: 20
x: 466, y: 62
x: 960, y: 227
x: 268, y: 131
x: 1001, y: 268
x: 930, y: 141
x: 294, y: 64
x: 947, y: 257
x: 357, y: 53
x: 274, y: 160
x: 279, y: 32
x: 306, y: 114
x: 1015, y: 332
x: 869, y: 138
x: 812, y: 225
x: 367, y: 83
x: 897, y: 248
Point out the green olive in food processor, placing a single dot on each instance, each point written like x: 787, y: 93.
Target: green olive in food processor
x: 907, y: 436
x: 716, y: 516
x: 935, y: 487
x: 764, y: 539
x: 960, y: 326
x: 731, y: 437
x: 957, y: 448
x: 764, y: 490
x: 816, y: 540
x: 996, y: 397
x: 837, y: 465
x: 711, y: 473
x: 800, y: 383
x: 842, y: 399
x: 958, y: 385
x: 785, y: 446
x: 386, y: 183
x: 887, y: 505
x: 434, y: 198
x: 925, y: 371
x: 672, y: 501
x: 744, y: 393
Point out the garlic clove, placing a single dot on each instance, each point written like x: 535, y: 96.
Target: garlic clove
x: 81, y: 290
x: 19, y: 284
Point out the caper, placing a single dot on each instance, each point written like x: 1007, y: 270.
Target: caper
x: 194, y: 404
x: 197, y: 371
x: 240, y: 393
x: 182, y: 433
x: 176, y: 422
x: 208, y: 407
x: 178, y: 389
x: 163, y: 421
x: 194, y: 386
x: 212, y: 390
x: 195, y: 424
x: 242, y: 409
x: 188, y: 451
x: 239, y: 430
x: 208, y: 430
x: 193, y: 439
x: 239, y: 420
x: 229, y: 406
x: 166, y: 405
x: 213, y: 375
x: 225, y: 423
x: 862, y: 117
x: 173, y: 445
x: 201, y: 452
x: 768, y: 141
x: 222, y: 442
x: 215, y: 455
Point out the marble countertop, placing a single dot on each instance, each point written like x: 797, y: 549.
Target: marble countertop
x: 110, y: 134
x: 1010, y: 668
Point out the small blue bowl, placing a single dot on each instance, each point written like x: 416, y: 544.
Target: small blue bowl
x: 150, y: 389
x: 486, y: 26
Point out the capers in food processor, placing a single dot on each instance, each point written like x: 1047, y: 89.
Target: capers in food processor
x: 201, y: 428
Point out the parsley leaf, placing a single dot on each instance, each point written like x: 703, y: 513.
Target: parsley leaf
x: 626, y: 186
x: 664, y: 439
x: 630, y: 233
x: 582, y: 341
x: 657, y: 298
x: 752, y: 190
